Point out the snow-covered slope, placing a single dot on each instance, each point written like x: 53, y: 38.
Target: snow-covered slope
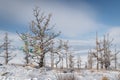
x: 13, y: 72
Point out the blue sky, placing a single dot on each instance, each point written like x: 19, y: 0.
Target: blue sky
x: 78, y: 20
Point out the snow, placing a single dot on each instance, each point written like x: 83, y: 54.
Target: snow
x: 13, y: 72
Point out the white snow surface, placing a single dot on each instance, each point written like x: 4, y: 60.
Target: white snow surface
x: 13, y: 72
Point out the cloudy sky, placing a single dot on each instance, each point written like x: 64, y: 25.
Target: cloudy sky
x: 78, y: 20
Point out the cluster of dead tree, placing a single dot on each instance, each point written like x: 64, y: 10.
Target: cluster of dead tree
x: 103, y: 54
x: 66, y: 57
x: 41, y: 41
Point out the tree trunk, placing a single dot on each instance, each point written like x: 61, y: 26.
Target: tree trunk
x: 52, y: 60
x: 6, y: 48
x: 66, y: 60
x: 6, y: 57
x: 115, y: 62
x: 41, y: 63
x: 97, y: 64
x: 26, y: 58
x: 62, y: 63
x: 101, y: 65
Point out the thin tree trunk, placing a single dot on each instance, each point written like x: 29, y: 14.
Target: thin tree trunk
x: 115, y: 61
x: 62, y: 63
x: 41, y: 63
x: 101, y: 65
x: 26, y: 58
x: 66, y: 60
x: 6, y: 48
x: 52, y: 60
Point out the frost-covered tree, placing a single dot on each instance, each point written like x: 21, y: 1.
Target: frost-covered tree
x: 41, y: 36
x: 26, y: 46
x: 103, y: 52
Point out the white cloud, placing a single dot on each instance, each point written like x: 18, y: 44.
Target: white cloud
x: 82, y: 42
x: 114, y: 33
x: 72, y: 22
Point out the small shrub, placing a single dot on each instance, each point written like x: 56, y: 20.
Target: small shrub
x: 66, y: 77
x: 105, y: 78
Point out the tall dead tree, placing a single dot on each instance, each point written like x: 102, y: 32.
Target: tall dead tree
x: 99, y: 53
x: 79, y: 62
x: 6, y: 47
x: 66, y: 48
x: 62, y: 65
x: 103, y: 52
x: 71, y: 62
x: 41, y: 36
x: 115, y: 57
x: 107, y: 43
x: 52, y: 55
x: 96, y: 54
x: 55, y: 52
x: 90, y: 60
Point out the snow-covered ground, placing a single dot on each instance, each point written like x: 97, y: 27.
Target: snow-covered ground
x: 13, y: 72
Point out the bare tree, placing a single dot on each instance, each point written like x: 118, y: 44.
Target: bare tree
x: 52, y: 55
x: 71, y: 62
x: 103, y: 52
x: 6, y: 46
x: 41, y: 36
x: 56, y: 51
x: 26, y: 49
x: 66, y: 48
x: 86, y: 66
x: 115, y: 57
x: 79, y: 62
x: 90, y: 59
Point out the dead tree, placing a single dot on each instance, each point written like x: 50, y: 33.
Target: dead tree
x: 96, y: 54
x: 86, y: 66
x: 90, y: 59
x: 107, y: 43
x: 52, y: 56
x: 62, y: 65
x: 71, y: 62
x: 41, y: 36
x: 99, y: 52
x: 6, y: 47
x: 59, y: 59
x: 103, y: 52
x: 61, y: 48
x: 26, y: 49
x: 62, y: 51
x: 66, y: 48
x: 79, y: 62
x: 115, y: 57
x: 56, y: 52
